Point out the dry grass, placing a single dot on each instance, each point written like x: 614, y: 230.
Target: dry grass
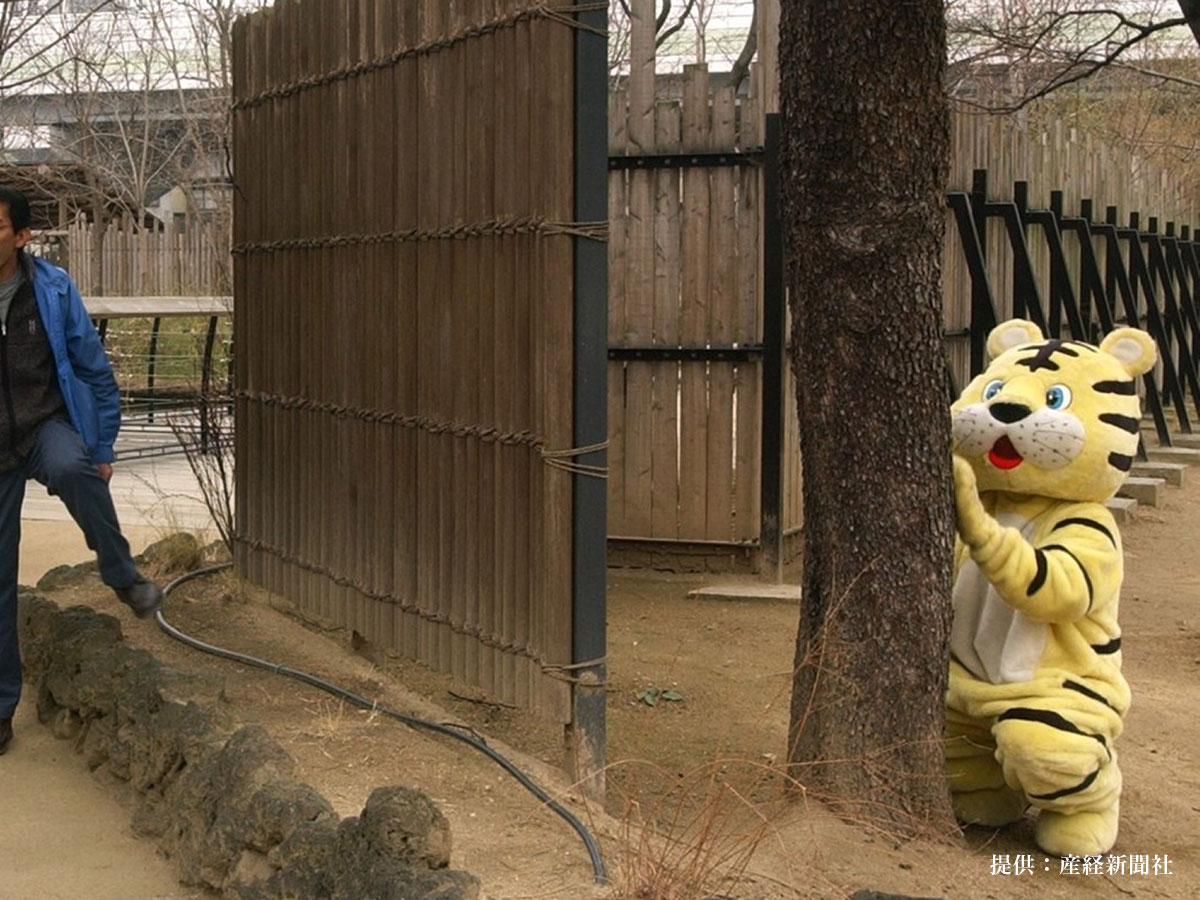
x: 698, y: 839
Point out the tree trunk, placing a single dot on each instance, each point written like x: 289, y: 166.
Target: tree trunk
x: 866, y: 142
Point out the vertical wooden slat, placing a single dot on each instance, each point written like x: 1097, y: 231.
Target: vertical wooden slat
x: 462, y: 561
x: 407, y: 133
x: 693, y: 464
x: 662, y: 421
x: 429, y: 297
x: 556, y: 338
x: 748, y: 328
x: 722, y: 323
x: 639, y: 282
x: 618, y: 240
x: 522, y: 409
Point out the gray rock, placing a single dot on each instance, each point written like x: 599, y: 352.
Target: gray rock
x: 221, y: 803
x: 405, y: 824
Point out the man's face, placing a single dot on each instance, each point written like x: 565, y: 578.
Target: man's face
x: 10, y: 242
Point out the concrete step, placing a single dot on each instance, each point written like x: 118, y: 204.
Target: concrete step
x: 1124, y: 509
x: 1182, y: 455
x: 1170, y: 472
x: 1178, y: 438
x: 1146, y: 491
x: 1190, y: 441
x: 748, y: 590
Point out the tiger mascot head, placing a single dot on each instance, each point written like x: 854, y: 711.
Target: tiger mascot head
x: 1053, y: 418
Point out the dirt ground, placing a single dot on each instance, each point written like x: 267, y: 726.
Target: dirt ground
x: 701, y: 758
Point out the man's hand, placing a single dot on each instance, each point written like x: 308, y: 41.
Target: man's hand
x: 105, y: 470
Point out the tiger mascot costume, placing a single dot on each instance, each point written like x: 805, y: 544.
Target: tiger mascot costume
x: 1042, y: 439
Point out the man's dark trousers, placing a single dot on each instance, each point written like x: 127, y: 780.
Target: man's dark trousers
x: 59, y: 461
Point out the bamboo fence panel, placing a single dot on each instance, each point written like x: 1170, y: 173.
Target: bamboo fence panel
x: 405, y: 358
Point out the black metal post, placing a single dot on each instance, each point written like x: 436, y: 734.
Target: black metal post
x: 1027, y: 299
x: 153, y: 353
x: 774, y: 367
x: 210, y: 339
x: 587, y: 734
x: 983, y: 307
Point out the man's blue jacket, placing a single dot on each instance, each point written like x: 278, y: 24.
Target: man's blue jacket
x: 85, y: 376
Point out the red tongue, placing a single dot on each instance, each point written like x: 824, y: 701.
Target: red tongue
x: 1004, y: 455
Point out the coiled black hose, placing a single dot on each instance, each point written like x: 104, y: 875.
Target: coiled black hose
x: 363, y: 703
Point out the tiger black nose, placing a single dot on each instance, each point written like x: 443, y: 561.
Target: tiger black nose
x: 1009, y: 412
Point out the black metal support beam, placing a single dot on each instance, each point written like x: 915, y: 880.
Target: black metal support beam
x: 1141, y: 282
x: 774, y: 366
x: 665, y: 353
x: 1173, y: 320
x: 1027, y: 298
x: 587, y: 732
x: 685, y: 160
x: 983, y: 305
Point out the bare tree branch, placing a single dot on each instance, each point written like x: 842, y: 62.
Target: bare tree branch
x: 741, y: 66
x: 1191, y: 12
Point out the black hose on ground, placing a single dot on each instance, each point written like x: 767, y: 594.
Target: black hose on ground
x: 363, y: 703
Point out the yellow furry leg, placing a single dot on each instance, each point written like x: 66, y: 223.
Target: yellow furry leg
x: 993, y: 808
x: 976, y: 779
x: 1078, y: 834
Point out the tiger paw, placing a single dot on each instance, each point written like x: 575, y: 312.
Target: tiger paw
x: 992, y: 807
x: 973, y: 520
x: 1078, y: 834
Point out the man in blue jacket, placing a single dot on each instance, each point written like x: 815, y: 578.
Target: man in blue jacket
x: 59, y: 416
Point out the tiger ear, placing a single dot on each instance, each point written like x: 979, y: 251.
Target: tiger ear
x: 1012, y: 333
x: 1133, y: 348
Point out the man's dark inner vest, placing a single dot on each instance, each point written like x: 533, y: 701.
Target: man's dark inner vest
x: 29, y: 392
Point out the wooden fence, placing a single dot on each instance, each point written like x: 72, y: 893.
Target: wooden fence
x: 123, y: 259
x: 403, y: 241
x: 687, y: 323
x: 684, y: 273
x: 1052, y: 164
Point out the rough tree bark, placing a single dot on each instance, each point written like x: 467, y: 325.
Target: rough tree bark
x: 866, y: 144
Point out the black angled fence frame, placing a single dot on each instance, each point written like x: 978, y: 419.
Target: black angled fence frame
x: 1150, y: 279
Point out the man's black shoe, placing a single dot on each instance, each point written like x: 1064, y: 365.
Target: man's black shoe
x: 5, y: 733
x: 143, y: 597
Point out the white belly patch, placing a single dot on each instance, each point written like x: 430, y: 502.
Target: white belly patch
x: 989, y: 637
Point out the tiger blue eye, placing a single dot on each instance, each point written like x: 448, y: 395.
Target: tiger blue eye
x: 1058, y: 397
x: 992, y: 389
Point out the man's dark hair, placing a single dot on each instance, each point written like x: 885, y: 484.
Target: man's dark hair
x: 18, y: 207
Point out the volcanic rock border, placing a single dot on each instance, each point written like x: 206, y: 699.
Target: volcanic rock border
x: 219, y: 797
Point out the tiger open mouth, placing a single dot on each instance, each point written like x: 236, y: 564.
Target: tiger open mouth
x: 1004, y: 455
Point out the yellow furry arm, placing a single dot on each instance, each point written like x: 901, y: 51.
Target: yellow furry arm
x: 1060, y: 575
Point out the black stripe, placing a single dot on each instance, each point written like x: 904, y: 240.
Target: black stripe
x: 1047, y: 717
x: 1082, y: 786
x: 1039, y: 577
x: 1125, y: 423
x: 1087, y: 692
x: 1087, y: 523
x: 1082, y: 570
x: 1120, y: 461
x: 1113, y: 646
x: 1115, y: 387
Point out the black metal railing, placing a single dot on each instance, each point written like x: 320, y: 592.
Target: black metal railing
x: 1150, y: 279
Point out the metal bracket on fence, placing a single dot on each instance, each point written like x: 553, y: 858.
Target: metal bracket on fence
x: 685, y: 160
x: 663, y: 353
